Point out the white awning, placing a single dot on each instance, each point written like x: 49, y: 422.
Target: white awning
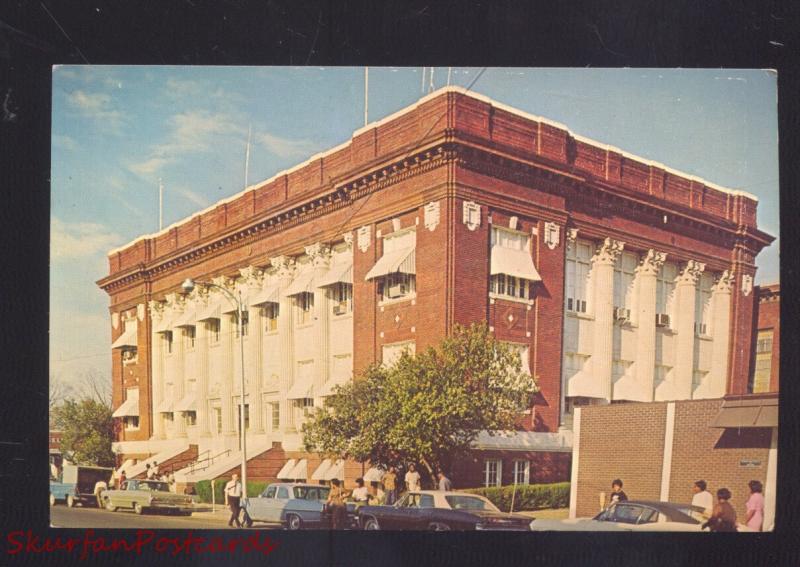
x: 186, y: 319
x: 287, y: 468
x: 402, y: 261
x: 374, y: 474
x: 341, y: 273
x: 336, y: 470
x: 127, y: 339
x: 212, y: 311
x: 164, y: 326
x: 300, y: 470
x: 269, y: 295
x: 304, y: 283
x: 129, y: 408
x: 165, y: 406
x: 187, y: 403
x: 323, y: 467
x: 229, y: 306
x: 302, y: 388
x: 516, y: 263
x: 327, y: 389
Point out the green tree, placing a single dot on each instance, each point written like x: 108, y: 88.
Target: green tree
x: 88, y: 430
x: 427, y: 408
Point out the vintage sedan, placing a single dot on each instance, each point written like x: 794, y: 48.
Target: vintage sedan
x: 142, y: 495
x: 632, y: 515
x: 440, y: 511
x: 293, y: 505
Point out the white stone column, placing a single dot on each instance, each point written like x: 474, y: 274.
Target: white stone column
x: 253, y: 278
x: 228, y: 338
x: 157, y: 370
x: 686, y: 291
x: 201, y: 354
x: 646, y: 276
x: 320, y: 258
x: 174, y: 305
x: 771, y: 483
x: 720, y: 328
x: 603, y: 278
x: 285, y: 270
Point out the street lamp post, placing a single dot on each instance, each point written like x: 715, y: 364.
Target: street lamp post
x: 188, y: 285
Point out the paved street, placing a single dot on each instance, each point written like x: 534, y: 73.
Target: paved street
x: 63, y: 517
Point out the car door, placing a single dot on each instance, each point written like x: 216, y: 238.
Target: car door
x: 258, y: 508
x: 406, y: 516
x: 278, y: 504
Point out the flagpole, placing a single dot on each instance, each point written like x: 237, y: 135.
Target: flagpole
x: 366, y: 96
x: 160, y: 204
x: 247, y: 155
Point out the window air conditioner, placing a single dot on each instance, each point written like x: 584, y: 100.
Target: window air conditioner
x: 622, y: 314
x: 662, y: 320
x: 397, y: 290
x: 700, y: 328
x: 340, y: 308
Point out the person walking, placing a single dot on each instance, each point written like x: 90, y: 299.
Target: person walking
x: 755, y: 506
x: 336, y: 504
x: 412, y: 478
x: 723, y: 518
x: 703, y: 498
x: 149, y: 472
x: 444, y: 482
x: 617, y: 494
x: 233, y: 498
x: 390, y: 485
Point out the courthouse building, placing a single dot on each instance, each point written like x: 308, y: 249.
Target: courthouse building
x: 616, y: 279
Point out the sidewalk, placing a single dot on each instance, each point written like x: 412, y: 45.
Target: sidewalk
x: 203, y: 512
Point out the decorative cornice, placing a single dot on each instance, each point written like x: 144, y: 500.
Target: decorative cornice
x: 651, y: 263
x: 608, y: 251
x: 691, y: 272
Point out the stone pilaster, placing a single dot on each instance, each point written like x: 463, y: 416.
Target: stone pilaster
x: 720, y: 329
x: 156, y: 313
x: 228, y: 345
x: 284, y: 271
x: 603, y: 277
x: 252, y: 279
x: 199, y: 296
x: 646, y: 275
x: 686, y: 292
x: 320, y: 259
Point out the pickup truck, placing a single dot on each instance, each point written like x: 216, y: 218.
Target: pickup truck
x: 77, y: 485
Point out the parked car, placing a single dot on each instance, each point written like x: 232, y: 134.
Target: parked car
x: 632, y: 515
x: 440, y: 511
x: 142, y: 495
x: 77, y: 485
x: 293, y: 505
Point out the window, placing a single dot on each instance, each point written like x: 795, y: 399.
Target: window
x: 426, y: 501
x: 522, y: 351
x: 275, y: 415
x: 342, y: 295
x: 270, y: 313
x: 397, y: 286
x: 492, y: 470
x: 218, y: 420
x: 131, y: 422
x: 283, y: 492
x: 578, y: 269
x: 189, y: 335
x: 270, y: 491
x: 392, y: 353
x: 212, y: 328
x: 763, y: 366
x: 509, y: 286
x: 191, y: 418
x: 304, y: 307
x: 235, y: 323
x: 665, y: 290
x: 511, y: 262
x: 522, y: 472
x: 166, y: 337
x: 624, y: 274
x: 702, y: 306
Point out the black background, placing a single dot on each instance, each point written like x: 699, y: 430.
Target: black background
x: 682, y: 33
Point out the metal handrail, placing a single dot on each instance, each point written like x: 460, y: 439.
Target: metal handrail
x: 208, y: 461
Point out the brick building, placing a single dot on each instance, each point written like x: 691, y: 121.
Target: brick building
x: 615, y: 278
x: 727, y: 441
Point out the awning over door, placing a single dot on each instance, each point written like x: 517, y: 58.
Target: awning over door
x: 283, y: 474
x: 129, y: 408
x: 748, y: 412
x: 126, y: 339
x: 516, y: 263
x: 403, y: 260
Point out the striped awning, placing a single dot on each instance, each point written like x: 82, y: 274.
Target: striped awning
x: 187, y: 319
x: 327, y: 389
x: 341, y: 273
x: 323, y: 467
x: 127, y: 339
x: 304, y: 283
x: 300, y: 470
x: 187, y: 403
x: 374, y: 474
x: 211, y: 311
x: 302, y: 388
x: 287, y: 468
x: 401, y: 261
x: 516, y: 263
x: 129, y: 408
x: 336, y: 470
x: 165, y: 406
x: 269, y: 295
x: 165, y: 325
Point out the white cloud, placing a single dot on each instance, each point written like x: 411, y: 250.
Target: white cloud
x: 149, y: 167
x: 64, y: 142
x: 198, y: 200
x: 70, y: 241
x: 284, y: 147
x: 97, y: 107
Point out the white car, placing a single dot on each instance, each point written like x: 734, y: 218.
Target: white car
x: 632, y: 515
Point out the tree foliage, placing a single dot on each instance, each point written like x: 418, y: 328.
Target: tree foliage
x: 427, y: 408
x: 88, y: 430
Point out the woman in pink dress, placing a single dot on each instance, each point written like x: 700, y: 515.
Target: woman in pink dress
x: 755, y: 506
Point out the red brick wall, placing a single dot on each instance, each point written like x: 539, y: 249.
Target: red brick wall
x: 767, y: 316
x: 545, y: 467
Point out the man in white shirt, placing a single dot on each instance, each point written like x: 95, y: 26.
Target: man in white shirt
x: 233, y: 496
x: 412, y: 479
x: 703, y: 498
x: 360, y: 493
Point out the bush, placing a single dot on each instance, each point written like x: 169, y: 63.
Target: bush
x: 527, y: 497
x: 203, y: 489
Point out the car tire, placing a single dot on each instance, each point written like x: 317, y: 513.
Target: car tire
x: 52, y: 499
x: 70, y: 501
x: 371, y: 523
x: 438, y: 527
x: 293, y: 522
x: 138, y: 509
x: 109, y: 506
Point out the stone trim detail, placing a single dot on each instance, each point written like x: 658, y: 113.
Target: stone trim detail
x: 691, y: 272
x: 651, y: 263
x: 608, y: 251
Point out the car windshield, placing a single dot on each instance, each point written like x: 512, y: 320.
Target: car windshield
x: 459, y: 502
x: 150, y: 485
x: 311, y: 492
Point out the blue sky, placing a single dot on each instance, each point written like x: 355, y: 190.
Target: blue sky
x: 117, y: 130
